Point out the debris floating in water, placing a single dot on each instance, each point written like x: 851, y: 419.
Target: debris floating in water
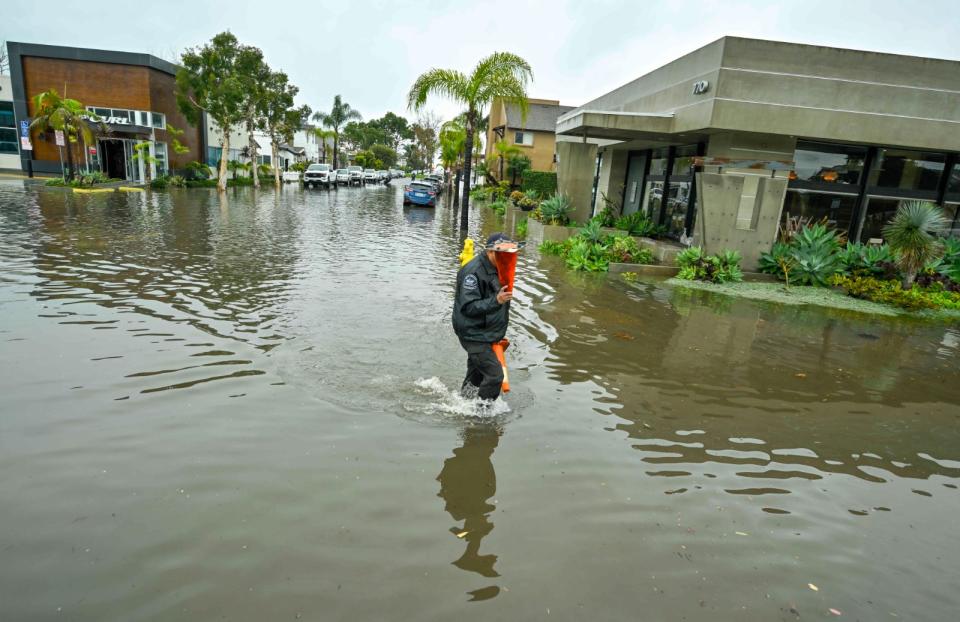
x: 813, y: 587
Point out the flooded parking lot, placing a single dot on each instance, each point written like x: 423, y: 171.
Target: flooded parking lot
x: 243, y: 406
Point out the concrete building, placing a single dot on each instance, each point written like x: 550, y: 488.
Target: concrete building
x: 724, y: 144
x: 133, y: 93
x: 534, y: 135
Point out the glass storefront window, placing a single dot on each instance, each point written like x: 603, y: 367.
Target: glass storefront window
x: 678, y: 200
x: 879, y: 213
x: 836, y: 209
x: 824, y: 162
x: 652, y: 198
x: 213, y: 155
x: 160, y: 151
x: 953, y: 183
x: 658, y: 162
x: 952, y: 212
x: 6, y: 115
x: 683, y: 160
x: 9, y: 140
x: 907, y: 170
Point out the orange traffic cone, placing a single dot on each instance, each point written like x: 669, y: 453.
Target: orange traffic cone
x: 498, y: 349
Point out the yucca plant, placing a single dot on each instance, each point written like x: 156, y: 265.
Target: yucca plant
x: 913, y: 234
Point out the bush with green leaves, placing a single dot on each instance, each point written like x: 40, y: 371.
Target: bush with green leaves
x: 592, y: 254
x: 587, y: 256
x: 543, y: 182
x: 948, y: 264
x: 198, y: 170
x: 522, y: 229
x: 624, y: 249
x: 858, y: 259
x: 893, y: 293
x: 592, y: 232
x: 499, y: 207
x: 480, y: 193
x: 555, y: 210
x: 695, y: 265
x: 813, y: 256
x: 160, y: 183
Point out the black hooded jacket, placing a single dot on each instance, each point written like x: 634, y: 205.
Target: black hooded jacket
x: 477, y: 316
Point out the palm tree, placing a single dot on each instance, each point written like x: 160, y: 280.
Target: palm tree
x: 335, y: 119
x: 52, y: 112
x: 913, y: 235
x: 500, y: 75
x: 322, y: 136
x: 505, y: 151
x: 453, y: 137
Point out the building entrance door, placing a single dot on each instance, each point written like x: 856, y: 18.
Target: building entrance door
x: 113, y: 159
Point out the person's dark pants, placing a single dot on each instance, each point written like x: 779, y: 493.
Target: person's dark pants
x: 484, y: 373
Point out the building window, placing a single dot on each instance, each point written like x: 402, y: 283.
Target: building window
x: 835, y: 209
x: 8, y: 140
x: 6, y: 115
x: 658, y: 162
x: 213, y: 155
x: 524, y: 138
x: 828, y: 163
x: 159, y: 120
x: 264, y: 159
x: 160, y: 153
x: 907, y: 170
x: 683, y: 159
x: 879, y: 212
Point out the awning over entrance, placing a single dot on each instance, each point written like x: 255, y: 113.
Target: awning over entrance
x: 613, y: 125
x: 121, y: 130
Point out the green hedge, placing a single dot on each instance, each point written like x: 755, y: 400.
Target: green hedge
x: 545, y: 183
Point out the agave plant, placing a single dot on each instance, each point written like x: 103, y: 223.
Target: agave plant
x: 913, y: 235
x: 555, y: 210
x: 592, y: 232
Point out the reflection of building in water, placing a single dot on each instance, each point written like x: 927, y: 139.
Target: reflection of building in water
x: 467, y: 482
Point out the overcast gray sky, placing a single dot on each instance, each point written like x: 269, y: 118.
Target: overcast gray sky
x: 370, y: 52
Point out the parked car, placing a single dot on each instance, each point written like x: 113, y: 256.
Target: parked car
x: 319, y: 175
x: 356, y: 175
x: 383, y: 176
x: 420, y: 193
x: 289, y: 176
x: 436, y: 180
x: 343, y: 177
x: 370, y: 176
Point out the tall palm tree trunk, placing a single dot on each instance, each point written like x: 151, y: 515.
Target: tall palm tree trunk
x: 468, y: 161
x: 70, y: 171
x: 253, y: 160
x: 336, y: 149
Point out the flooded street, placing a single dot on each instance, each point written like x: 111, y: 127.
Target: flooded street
x: 243, y: 407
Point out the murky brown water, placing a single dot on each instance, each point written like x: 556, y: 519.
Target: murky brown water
x: 240, y: 408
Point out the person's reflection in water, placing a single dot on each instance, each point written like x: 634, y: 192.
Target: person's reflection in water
x: 467, y: 482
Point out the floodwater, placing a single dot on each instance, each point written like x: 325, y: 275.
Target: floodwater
x: 244, y: 408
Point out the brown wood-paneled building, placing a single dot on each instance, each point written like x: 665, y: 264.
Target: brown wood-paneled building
x: 133, y: 94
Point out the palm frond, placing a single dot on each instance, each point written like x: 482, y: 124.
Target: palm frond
x: 444, y: 82
x: 502, y: 64
x: 509, y: 89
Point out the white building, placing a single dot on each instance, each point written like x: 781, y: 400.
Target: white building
x: 305, y: 148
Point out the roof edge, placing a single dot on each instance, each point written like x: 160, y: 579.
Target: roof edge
x: 60, y: 52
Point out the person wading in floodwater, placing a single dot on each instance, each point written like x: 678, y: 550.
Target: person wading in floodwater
x: 481, y: 312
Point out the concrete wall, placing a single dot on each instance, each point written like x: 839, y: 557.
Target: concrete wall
x: 720, y: 223
x: 837, y: 94
x: 577, y: 163
x: 613, y: 171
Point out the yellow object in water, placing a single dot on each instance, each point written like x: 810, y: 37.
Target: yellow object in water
x: 467, y: 254
x: 129, y: 189
x: 92, y: 190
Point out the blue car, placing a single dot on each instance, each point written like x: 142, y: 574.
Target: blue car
x: 420, y: 193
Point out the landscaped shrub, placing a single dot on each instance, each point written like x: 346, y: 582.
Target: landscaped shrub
x: 515, y: 197
x: 590, y: 254
x: 159, y: 183
x: 480, y: 193
x: 811, y: 257
x: 893, y: 293
x: 522, y: 229
x: 913, y: 235
x: 499, y: 206
x: 949, y: 263
x: 544, y: 182
x: 555, y: 210
x: 198, y: 170
x: 858, y: 259
x: 592, y: 232
x: 724, y: 267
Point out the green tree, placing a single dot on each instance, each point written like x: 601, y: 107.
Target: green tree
x: 362, y: 135
x: 386, y: 155
x: 395, y: 127
x: 322, y: 137
x: 500, y: 75
x: 210, y: 80
x: 279, y: 118
x: 52, y: 112
x: 913, y: 234
x: 453, y: 139
x: 517, y: 165
x: 254, y: 73
x: 339, y: 114
x: 425, y: 143
x: 505, y: 150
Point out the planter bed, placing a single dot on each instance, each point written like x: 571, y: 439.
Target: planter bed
x: 539, y: 232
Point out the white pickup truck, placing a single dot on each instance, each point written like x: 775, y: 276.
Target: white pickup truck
x: 319, y: 175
